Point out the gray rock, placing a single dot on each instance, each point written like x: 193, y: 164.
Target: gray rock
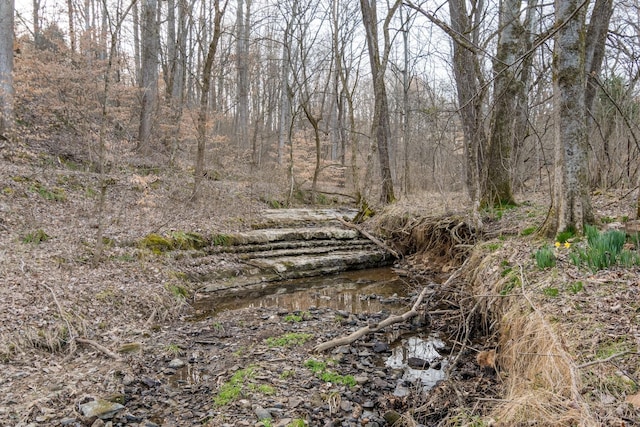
x: 262, y: 413
x: 361, y: 379
x: 294, y: 402
x: 100, y: 408
x: 417, y: 363
x: 380, y: 347
x: 67, y: 421
x: 176, y: 364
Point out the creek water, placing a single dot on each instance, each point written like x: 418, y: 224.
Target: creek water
x: 359, y: 291
x: 420, y: 357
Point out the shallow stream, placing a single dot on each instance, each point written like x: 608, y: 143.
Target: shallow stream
x: 419, y: 357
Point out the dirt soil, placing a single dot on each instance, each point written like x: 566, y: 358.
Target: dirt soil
x: 74, y: 329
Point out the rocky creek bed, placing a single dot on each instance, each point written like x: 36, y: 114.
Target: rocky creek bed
x: 265, y: 354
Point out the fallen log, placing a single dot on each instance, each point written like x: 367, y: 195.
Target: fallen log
x: 373, y: 328
x: 369, y: 236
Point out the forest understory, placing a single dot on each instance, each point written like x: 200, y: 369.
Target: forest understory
x: 528, y: 345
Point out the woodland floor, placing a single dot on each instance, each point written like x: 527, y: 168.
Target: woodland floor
x: 127, y: 303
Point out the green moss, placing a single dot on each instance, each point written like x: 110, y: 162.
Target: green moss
x: 528, y: 231
x: 232, y: 389
x: 221, y: 240
x: 326, y: 375
x: 183, y: 240
x: 290, y: 339
x: 156, y: 243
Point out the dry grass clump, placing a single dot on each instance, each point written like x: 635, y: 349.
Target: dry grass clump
x: 542, y: 384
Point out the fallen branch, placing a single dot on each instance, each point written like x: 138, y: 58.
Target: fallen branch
x: 99, y: 347
x: 608, y: 359
x: 373, y: 328
x: 369, y: 236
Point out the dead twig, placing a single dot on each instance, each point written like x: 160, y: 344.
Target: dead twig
x: 373, y: 328
x: 605, y: 360
x: 99, y: 347
x: 370, y: 236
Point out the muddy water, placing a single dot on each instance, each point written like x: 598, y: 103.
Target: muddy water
x: 420, y: 357
x: 361, y: 291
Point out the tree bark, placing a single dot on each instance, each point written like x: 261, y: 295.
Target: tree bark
x: 242, y: 78
x: 571, y: 205
x: 470, y: 93
x: 378, y: 62
x: 511, y: 44
x: 6, y: 65
x: 149, y: 81
x: 204, y: 97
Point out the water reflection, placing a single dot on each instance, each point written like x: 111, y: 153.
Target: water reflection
x: 420, y: 360
x: 362, y: 291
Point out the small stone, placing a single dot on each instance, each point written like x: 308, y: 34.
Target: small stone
x: 346, y: 406
x: 67, y: 421
x: 100, y: 408
x: 381, y: 347
x: 417, y: 363
x: 294, y: 402
x: 262, y: 413
x: 361, y: 379
x: 176, y: 364
x: 391, y: 417
x: 98, y: 423
x: 368, y: 404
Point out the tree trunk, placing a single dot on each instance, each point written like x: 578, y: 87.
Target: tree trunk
x: 470, y: 93
x: 378, y: 63
x: 6, y: 65
x: 204, y: 97
x: 595, y: 49
x: 571, y: 205
x: 242, y: 82
x: 511, y: 44
x: 72, y: 27
x: 149, y: 80
x: 136, y: 43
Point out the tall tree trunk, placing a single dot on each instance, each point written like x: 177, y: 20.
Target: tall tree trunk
x: 378, y: 62
x: 6, y: 65
x: 521, y: 111
x: 72, y: 26
x: 150, y: 47
x: 37, y: 31
x: 203, y: 113
x: 136, y: 43
x: 470, y: 100
x: 571, y: 205
x: 511, y: 44
x: 242, y: 83
x: 595, y: 48
x: 284, y: 121
x: 172, y: 50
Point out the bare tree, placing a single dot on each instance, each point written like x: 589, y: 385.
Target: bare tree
x: 203, y: 114
x: 571, y: 204
x: 378, y: 61
x: 6, y: 65
x: 243, y: 17
x: 507, y: 86
x: 149, y: 70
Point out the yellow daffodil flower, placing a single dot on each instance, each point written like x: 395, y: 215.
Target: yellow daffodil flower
x: 567, y: 245
x: 557, y: 244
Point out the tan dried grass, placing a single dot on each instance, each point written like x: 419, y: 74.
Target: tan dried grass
x: 541, y: 382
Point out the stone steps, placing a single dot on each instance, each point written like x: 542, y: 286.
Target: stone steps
x: 318, y: 244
